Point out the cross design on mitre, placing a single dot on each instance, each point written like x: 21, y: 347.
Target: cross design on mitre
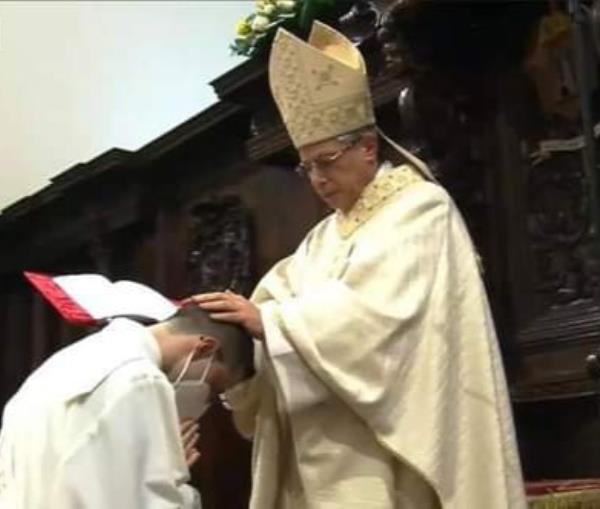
x: 324, y: 77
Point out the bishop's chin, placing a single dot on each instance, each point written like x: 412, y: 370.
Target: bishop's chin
x: 330, y: 200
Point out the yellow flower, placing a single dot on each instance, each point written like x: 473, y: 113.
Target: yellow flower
x: 243, y: 28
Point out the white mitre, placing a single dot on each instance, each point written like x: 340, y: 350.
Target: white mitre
x: 321, y: 86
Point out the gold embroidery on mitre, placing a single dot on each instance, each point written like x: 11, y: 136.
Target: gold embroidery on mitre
x: 321, y: 86
x: 376, y: 194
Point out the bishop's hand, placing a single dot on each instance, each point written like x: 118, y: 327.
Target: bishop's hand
x: 233, y: 308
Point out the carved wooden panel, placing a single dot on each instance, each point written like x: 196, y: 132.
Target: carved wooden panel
x: 553, y: 350
x: 220, y: 254
x: 558, y: 224
x: 561, y: 325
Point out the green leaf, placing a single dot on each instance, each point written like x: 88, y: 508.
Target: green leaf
x: 311, y: 9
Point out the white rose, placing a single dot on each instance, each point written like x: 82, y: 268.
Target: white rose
x: 268, y: 9
x: 286, y: 5
x: 260, y: 23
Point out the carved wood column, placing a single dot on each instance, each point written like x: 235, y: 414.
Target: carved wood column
x: 220, y: 256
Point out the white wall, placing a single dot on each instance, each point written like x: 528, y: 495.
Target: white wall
x: 77, y: 78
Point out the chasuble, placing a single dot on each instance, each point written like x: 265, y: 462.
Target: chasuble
x: 379, y: 382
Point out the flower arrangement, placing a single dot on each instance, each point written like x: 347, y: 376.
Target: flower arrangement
x: 254, y: 33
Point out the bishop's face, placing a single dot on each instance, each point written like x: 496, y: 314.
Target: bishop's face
x: 338, y: 171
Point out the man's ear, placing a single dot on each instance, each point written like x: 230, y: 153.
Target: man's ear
x: 205, y: 346
x: 370, y: 146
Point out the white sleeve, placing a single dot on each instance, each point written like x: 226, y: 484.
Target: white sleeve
x: 133, y: 458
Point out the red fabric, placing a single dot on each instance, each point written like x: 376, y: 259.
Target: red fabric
x: 561, y: 486
x: 59, y: 299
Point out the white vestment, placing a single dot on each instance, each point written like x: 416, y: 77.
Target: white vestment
x: 379, y: 383
x: 95, y: 427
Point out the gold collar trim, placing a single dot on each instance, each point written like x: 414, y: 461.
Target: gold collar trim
x: 376, y: 194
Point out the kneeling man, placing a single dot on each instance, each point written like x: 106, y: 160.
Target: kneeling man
x: 97, y: 425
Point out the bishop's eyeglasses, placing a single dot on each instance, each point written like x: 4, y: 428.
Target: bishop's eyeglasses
x: 323, y: 163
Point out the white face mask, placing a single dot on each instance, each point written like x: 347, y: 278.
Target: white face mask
x: 192, y: 397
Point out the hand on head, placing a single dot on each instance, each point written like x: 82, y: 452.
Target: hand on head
x: 232, y: 308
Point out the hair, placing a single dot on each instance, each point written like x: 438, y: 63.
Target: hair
x: 384, y: 151
x: 235, y: 347
x: 358, y: 134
